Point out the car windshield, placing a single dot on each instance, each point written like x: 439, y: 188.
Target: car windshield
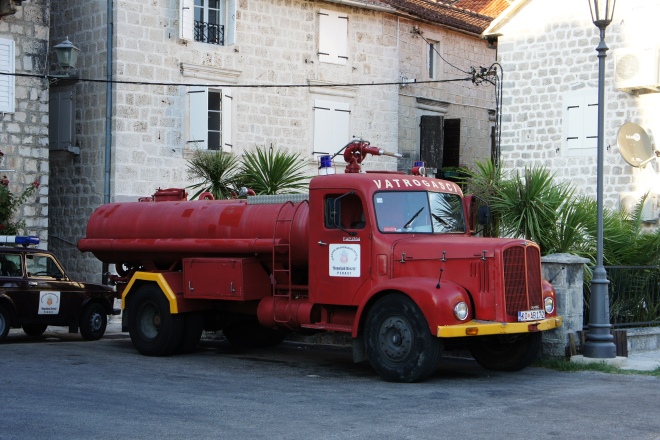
x: 419, y: 212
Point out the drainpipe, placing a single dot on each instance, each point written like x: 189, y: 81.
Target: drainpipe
x: 108, y: 121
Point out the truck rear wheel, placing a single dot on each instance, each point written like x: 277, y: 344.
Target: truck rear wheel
x: 506, y: 352
x: 398, y: 342
x: 153, y: 329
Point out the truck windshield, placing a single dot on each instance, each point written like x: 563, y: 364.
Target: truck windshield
x: 419, y: 212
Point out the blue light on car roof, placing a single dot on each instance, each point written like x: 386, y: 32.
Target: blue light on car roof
x: 19, y: 239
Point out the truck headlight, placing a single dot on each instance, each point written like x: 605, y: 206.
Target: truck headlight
x: 549, y: 305
x: 461, y: 311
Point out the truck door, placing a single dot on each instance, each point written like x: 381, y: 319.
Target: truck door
x: 340, y: 248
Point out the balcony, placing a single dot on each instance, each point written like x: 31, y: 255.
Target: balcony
x: 209, y: 33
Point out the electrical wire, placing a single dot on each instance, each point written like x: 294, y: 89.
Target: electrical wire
x: 54, y: 78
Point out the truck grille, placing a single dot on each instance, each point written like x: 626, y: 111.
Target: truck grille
x: 522, y: 279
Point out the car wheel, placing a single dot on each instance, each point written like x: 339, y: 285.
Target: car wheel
x: 5, y: 323
x: 398, y: 342
x: 153, y: 329
x: 506, y: 352
x: 34, y: 329
x: 93, y: 322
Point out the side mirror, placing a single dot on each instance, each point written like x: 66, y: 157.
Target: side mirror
x: 483, y: 215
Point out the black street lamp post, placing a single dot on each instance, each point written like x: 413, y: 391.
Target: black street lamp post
x: 599, y: 341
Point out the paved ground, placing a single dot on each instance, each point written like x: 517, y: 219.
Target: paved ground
x: 642, y: 361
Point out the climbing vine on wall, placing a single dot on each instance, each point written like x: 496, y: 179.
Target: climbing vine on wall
x: 9, y: 204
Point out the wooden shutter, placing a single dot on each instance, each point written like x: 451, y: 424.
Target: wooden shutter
x: 7, y: 91
x: 331, y: 125
x: 198, y: 113
x: 431, y: 141
x: 333, y: 37
x: 226, y: 120
x: 580, y: 125
x: 230, y: 31
x: 186, y: 18
x: 60, y: 127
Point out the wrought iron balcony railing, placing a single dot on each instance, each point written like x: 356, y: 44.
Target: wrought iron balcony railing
x: 209, y: 33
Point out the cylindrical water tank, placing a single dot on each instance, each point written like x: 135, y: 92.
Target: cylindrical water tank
x: 165, y: 232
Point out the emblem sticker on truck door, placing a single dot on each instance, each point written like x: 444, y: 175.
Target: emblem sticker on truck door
x: 344, y: 260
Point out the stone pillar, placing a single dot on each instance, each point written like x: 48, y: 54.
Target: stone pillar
x: 566, y: 274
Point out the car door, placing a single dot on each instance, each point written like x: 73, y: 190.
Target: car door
x: 14, y: 285
x: 59, y: 302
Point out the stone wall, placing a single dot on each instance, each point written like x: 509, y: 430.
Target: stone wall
x: 548, y: 49
x: 472, y: 104
x: 24, y: 133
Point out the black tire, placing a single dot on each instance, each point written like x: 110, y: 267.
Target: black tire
x: 5, y: 323
x: 153, y: 329
x: 34, y: 330
x: 192, y: 332
x: 506, y: 352
x: 248, y: 333
x: 93, y: 321
x: 398, y: 342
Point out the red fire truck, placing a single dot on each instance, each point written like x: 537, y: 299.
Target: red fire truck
x: 389, y: 258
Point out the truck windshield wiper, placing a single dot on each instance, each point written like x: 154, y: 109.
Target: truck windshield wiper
x: 407, y: 225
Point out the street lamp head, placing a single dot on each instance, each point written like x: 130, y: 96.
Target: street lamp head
x: 67, y: 54
x: 602, y: 12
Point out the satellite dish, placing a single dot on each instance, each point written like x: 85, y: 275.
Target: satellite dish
x: 634, y: 144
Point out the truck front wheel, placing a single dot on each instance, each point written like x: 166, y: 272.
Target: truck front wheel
x: 398, y: 342
x: 506, y: 352
x: 153, y: 329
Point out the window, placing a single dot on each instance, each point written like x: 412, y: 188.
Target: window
x: 10, y: 265
x: 7, y: 81
x: 580, y: 125
x: 331, y: 126
x: 60, y: 115
x: 209, y: 118
x: 419, y: 211
x: 208, y: 21
x: 344, y: 212
x: 43, y: 266
x: 433, y: 60
x: 333, y: 37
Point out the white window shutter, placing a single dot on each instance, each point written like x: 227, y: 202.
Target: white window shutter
x: 230, y: 31
x: 226, y: 120
x: 331, y: 125
x: 333, y: 37
x: 326, y: 48
x: 580, y: 124
x: 186, y: 18
x: 341, y: 39
x: 198, y: 114
x: 7, y: 91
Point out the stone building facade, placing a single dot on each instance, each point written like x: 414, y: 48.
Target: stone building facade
x: 547, y: 49
x: 24, y: 40
x: 300, y: 75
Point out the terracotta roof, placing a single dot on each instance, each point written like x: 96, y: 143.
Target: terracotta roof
x: 447, y: 13
x: 491, y: 8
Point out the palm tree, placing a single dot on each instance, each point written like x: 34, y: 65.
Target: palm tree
x: 218, y: 171
x: 266, y: 171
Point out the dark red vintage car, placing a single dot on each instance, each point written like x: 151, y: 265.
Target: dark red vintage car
x: 36, y: 292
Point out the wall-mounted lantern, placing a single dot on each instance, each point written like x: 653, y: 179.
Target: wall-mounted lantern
x: 67, y: 56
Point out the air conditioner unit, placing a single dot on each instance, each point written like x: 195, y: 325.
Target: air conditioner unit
x: 637, y: 69
x: 629, y: 200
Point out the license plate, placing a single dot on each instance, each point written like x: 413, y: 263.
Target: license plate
x: 531, y: 315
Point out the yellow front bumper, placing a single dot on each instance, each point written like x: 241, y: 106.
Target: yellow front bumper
x: 483, y: 328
